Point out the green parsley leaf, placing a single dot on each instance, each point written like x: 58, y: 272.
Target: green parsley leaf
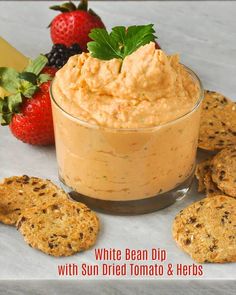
x: 103, y: 47
x: 121, y: 42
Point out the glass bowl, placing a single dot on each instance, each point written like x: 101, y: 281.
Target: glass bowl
x: 127, y: 171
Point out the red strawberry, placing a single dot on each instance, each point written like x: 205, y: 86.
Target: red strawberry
x: 27, y: 109
x: 74, y: 24
x: 49, y: 70
x: 34, y: 123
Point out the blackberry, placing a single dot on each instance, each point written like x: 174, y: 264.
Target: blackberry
x: 59, y: 54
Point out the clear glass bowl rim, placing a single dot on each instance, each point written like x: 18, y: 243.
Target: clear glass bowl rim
x: 143, y: 129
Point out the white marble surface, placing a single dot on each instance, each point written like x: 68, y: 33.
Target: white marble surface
x: 204, y: 33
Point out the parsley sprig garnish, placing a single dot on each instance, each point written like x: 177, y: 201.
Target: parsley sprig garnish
x: 121, y: 42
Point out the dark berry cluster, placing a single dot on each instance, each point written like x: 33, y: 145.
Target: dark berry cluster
x: 60, y: 54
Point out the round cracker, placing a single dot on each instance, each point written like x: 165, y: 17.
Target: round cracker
x: 211, y: 188
x: 214, y: 100
x: 218, y: 122
x: 21, y: 192
x: 206, y: 230
x: 201, y: 169
x: 59, y: 229
x: 224, y: 171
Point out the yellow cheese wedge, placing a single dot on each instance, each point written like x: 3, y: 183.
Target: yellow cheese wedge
x: 10, y: 57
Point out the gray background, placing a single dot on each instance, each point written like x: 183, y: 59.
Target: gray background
x: 205, y: 36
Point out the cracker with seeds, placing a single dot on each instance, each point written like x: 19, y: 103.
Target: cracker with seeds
x: 211, y: 188
x: 224, y: 171
x: 59, y: 229
x: 200, y: 172
x: 206, y: 230
x: 218, y: 122
x: 214, y: 100
x: 21, y: 192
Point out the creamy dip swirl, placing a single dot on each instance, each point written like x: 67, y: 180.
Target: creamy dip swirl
x: 147, y: 88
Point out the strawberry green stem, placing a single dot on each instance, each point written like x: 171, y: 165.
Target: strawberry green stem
x: 83, y: 5
x: 70, y: 6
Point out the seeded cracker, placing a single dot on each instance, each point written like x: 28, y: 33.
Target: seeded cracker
x: 21, y: 192
x: 218, y: 122
x: 201, y: 169
x: 211, y: 188
x: 59, y: 229
x: 214, y: 100
x: 206, y: 230
x: 224, y: 171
